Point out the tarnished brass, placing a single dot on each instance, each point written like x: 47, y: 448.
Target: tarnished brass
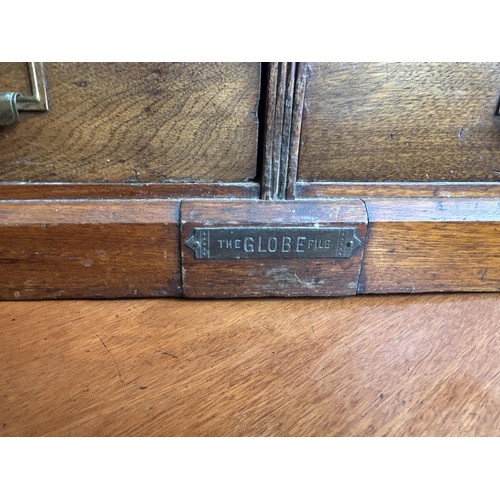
x: 223, y: 243
x: 8, y: 108
x: 12, y: 102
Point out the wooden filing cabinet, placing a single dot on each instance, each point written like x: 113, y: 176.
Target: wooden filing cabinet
x: 136, y: 123
x: 401, y: 122
x: 344, y: 178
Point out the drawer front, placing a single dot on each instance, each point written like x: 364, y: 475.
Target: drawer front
x: 130, y: 122
x: 417, y: 122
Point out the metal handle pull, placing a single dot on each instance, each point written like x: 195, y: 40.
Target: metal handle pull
x: 13, y: 102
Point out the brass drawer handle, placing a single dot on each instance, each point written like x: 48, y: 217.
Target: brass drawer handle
x: 13, y: 102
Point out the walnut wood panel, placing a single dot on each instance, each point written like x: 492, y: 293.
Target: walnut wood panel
x: 136, y: 122
x: 15, y: 77
x: 401, y: 122
x: 75, y: 190
x: 89, y: 249
x: 400, y: 365
x: 432, y: 245
x: 367, y: 190
x: 270, y: 277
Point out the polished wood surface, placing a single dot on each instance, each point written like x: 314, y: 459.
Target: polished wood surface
x: 418, y: 122
x: 356, y: 366
x: 367, y: 190
x: 135, y: 122
x: 89, y: 249
x: 109, y: 190
x: 432, y: 245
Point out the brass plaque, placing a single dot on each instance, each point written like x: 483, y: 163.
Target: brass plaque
x: 233, y: 243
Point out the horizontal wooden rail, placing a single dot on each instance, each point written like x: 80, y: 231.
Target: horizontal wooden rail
x: 137, y: 248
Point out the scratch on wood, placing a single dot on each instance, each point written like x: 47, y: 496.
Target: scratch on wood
x: 166, y: 353
x: 112, y: 357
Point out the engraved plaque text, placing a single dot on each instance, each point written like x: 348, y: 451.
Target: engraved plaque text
x: 273, y: 242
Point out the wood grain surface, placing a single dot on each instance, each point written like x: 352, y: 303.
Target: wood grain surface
x: 135, y: 122
x: 137, y: 248
x: 367, y: 190
x: 281, y: 133
x: 209, y: 278
x: 432, y: 245
x: 303, y: 73
x: 71, y: 249
x: 418, y: 122
x: 89, y: 190
x: 407, y: 365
